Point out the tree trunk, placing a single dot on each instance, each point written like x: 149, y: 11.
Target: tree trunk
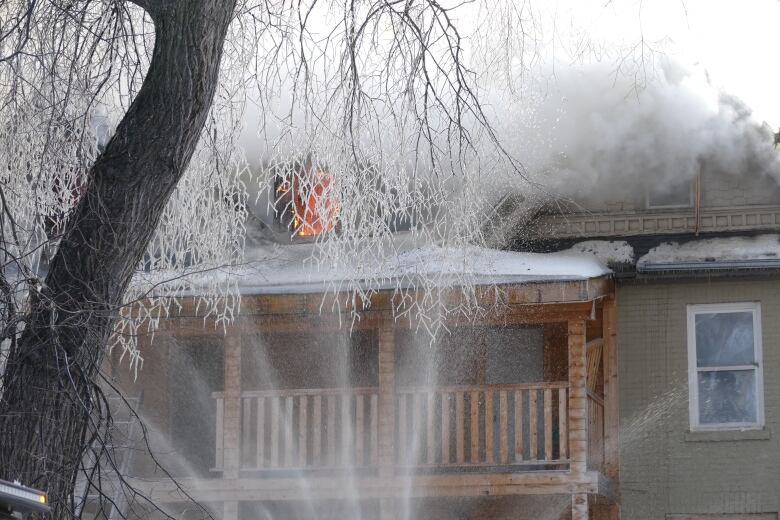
x: 47, y: 407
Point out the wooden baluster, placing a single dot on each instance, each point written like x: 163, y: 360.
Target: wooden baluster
x: 346, y: 430
x: 374, y: 410
x: 417, y: 426
x: 303, y: 431
x: 548, y: 444
x: 288, y: 431
x: 533, y: 432
x: 246, y: 427
x: 460, y: 435
x: 563, y: 434
x: 260, y: 439
x: 274, y: 431
x: 518, y: 425
x: 219, y: 453
x: 359, y: 411
x: 316, y: 438
x: 445, y: 428
x: 331, y: 430
x: 474, y: 455
x: 489, y: 418
x: 503, y: 426
x: 430, y: 437
x: 402, y: 436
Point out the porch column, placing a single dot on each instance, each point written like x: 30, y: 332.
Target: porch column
x: 578, y: 420
x: 386, y: 410
x: 611, y: 395
x: 231, y: 424
x: 611, y: 400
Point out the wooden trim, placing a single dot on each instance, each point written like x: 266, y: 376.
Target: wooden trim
x: 611, y: 391
x: 526, y: 292
x: 343, y: 487
x: 231, y: 424
x: 387, y: 397
x: 577, y: 421
x: 306, y: 320
x: 482, y: 388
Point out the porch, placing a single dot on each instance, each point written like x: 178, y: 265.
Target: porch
x: 463, y: 432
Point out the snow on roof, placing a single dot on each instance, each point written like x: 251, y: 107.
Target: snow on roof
x: 289, y: 268
x: 761, y: 247
x: 606, y: 251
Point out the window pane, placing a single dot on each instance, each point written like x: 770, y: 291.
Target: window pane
x: 724, y: 339
x: 670, y: 194
x: 727, y: 396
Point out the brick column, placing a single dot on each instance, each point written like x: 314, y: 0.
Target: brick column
x: 231, y: 425
x: 578, y: 414
x: 386, y: 352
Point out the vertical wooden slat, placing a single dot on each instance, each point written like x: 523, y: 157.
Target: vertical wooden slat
x: 274, y: 432
x: 246, y: 427
x: 563, y: 434
x: 219, y: 437
x: 316, y: 429
x: 359, y: 419
x: 346, y: 429
x: 416, y: 426
x: 303, y: 430
x: 460, y: 435
x: 474, y: 454
x: 503, y: 425
x: 548, y: 422
x: 288, y: 431
x: 402, y: 437
x: 374, y: 447
x: 489, y: 426
x: 533, y: 432
x: 431, y: 417
x: 445, y: 428
x: 260, y: 439
x: 519, y: 425
x: 331, y: 431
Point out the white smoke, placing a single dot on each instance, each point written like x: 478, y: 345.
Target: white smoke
x: 595, y: 130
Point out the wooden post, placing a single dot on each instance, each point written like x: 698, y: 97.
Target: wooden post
x: 231, y: 424
x: 578, y: 423
x: 611, y: 396
x: 386, y: 432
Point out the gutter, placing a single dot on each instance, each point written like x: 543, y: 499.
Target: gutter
x: 717, y: 265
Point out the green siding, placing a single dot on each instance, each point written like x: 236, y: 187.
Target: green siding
x: 664, y: 469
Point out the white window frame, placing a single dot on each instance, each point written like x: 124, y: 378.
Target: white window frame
x: 693, y: 369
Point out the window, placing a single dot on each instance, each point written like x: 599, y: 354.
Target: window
x: 670, y: 194
x: 724, y: 366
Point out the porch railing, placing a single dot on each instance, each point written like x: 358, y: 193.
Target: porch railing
x: 486, y: 425
x: 452, y: 426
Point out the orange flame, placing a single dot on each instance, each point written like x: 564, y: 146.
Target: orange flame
x: 316, y: 205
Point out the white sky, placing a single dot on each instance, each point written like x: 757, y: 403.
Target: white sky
x: 735, y: 42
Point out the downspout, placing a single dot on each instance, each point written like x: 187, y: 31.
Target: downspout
x: 697, y: 202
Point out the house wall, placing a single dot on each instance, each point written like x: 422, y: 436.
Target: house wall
x: 729, y: 203
x: 664, y: 468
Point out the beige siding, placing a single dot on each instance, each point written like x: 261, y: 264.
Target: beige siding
x: 665, y: 469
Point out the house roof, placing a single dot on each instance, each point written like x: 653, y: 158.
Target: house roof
x: 723, y: 253
x: 280, y: 269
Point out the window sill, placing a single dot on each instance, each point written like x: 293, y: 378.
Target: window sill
x: 728, y: 435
